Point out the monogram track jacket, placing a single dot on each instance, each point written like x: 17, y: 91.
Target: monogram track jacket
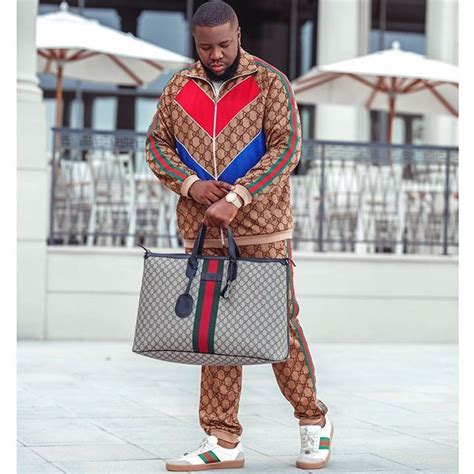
x: 247, y: 134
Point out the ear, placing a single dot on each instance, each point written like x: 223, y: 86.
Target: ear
x: 238, y: 35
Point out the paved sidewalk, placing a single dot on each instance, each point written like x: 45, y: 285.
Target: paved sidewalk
x: 95, y: 407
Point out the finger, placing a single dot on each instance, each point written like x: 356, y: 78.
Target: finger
x: 218, y: 186
x: 224, y: 185
x: 218, y: 194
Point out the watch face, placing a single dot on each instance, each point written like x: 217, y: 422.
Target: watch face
x: 230, y: 197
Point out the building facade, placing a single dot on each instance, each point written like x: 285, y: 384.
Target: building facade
x: 293, y: 35
x: 73, y: 291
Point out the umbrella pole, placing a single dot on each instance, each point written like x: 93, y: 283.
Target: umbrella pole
x: 59, y: 95
x: 391, y: 117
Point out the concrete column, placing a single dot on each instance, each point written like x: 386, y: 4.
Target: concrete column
x: 32, y: 190
x: 442, y: 44
x: 343, y: 33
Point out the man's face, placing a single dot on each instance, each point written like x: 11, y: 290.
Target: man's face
x: 217, y: 46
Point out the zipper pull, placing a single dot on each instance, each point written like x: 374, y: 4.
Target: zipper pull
x: 288, y: 260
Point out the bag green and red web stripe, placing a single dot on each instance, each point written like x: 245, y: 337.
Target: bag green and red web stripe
x: 209, y: 457
x: 206, y: 308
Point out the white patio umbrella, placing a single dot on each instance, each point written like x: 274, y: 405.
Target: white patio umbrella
x: 73, y: 46
x: 393, y: 80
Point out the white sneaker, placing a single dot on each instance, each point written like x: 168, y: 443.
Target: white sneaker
x: 315, y: 446
x: 209, y: 455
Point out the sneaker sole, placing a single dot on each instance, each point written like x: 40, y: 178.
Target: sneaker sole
x: 204, y: 467
x: 320, y: 464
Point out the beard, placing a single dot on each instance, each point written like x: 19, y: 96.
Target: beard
x: 227, y: 74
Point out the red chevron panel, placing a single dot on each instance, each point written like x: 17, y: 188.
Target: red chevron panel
x: 198, y: 105
x: 234, y: 101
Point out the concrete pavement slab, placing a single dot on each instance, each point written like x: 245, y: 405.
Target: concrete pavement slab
x: 62, y: 431
x: 101, y: 408
x: 356, y: 462
x: 30, y: 462
x: 126, y: 452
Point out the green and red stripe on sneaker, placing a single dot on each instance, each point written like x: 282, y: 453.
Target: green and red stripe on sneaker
x: 324, y: 443
x: 209, y: 457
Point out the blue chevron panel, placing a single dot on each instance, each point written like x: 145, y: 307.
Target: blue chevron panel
x: 245, y: 160
x: 190, y: 162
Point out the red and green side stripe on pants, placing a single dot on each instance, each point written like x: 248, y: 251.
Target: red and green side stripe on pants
x: 293, y: 311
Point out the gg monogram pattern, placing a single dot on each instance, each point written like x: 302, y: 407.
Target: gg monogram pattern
x: 270, y: 110
x: 251, y: 325
x: 221, y: 385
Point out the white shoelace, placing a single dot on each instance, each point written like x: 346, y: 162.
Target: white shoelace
x: 310, y: 441
x: 204, y: 446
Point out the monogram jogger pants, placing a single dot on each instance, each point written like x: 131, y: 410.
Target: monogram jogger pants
x: 221, y: 385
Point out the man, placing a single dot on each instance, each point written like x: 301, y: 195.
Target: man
x: 226, y: 136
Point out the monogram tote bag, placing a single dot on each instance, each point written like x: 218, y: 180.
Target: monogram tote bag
x: 224, y: 310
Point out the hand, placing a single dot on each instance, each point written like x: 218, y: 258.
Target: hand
x: 209, y: 192
x: 220, y: 214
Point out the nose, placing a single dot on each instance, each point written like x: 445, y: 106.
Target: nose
x: 216, y: 55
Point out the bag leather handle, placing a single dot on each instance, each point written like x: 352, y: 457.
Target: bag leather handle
x: 184, y: 304
x: 233, y: 252
x: 233, y: 249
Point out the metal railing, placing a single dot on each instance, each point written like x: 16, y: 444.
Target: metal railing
x: 346, y: 197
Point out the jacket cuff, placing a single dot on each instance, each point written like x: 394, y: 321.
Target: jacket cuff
x: 243, y: 193
x: 186, y: 184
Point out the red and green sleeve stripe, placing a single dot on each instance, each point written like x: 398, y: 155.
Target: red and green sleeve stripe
x: 285, y: 158
x: 206, y: 308
x: 160, y: 158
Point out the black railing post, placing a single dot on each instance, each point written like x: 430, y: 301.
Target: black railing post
x: 50, y: 240
x: 446, y: 203
x: 322, y: 191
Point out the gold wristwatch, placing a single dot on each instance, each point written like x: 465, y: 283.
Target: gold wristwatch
x: 234, y: 199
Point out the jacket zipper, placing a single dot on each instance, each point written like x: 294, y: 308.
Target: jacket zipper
x: 216, y: 100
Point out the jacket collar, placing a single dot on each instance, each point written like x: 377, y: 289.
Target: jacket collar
x: 246, y: 66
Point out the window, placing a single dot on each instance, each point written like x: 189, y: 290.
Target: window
x: 104, y: 113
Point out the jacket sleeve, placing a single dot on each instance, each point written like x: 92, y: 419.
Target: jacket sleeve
x: 282, y: 129
x: 160, y: 150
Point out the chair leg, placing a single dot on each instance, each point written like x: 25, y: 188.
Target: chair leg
x: 91, y: 228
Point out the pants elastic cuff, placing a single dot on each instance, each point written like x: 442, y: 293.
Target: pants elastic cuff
x: 225, y: 435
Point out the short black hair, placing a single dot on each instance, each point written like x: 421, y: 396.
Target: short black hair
x: 214, y: 13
